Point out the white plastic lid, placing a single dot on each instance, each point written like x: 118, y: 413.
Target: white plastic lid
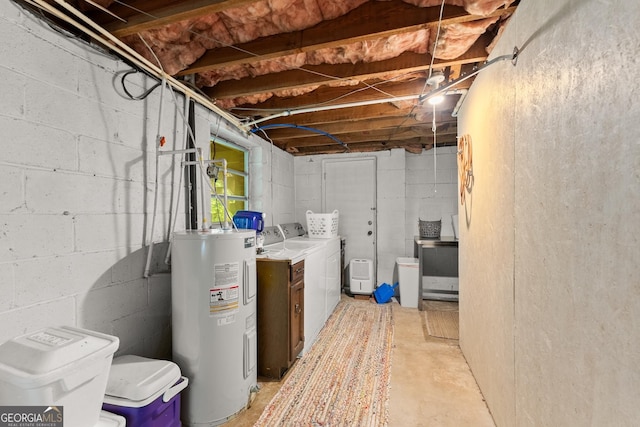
x: 136, y: 381
x: 407, y: 261
x: 51, y: 352
x: 107, y: 419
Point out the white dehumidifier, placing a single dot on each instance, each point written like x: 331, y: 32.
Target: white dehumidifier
x: 361, y: 276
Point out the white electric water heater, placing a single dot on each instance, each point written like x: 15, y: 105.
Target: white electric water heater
x: 213, y: 293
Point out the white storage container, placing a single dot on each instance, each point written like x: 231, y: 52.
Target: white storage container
x: 58, y: 366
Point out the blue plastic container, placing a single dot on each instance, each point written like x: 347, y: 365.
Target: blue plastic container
x: 384, y: 292
x: 249, y: 220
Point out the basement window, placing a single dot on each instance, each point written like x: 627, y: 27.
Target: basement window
x: 237, y: 180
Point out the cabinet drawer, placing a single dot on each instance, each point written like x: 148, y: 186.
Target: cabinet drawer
x: 297, y: 272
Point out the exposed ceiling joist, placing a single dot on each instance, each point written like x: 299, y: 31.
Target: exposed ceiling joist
x: 258, y: 58
x: 369, y: 22
x: 327, y: 74
x: 157, y: 14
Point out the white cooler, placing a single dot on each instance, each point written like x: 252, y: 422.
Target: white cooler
x: 146, y: 392
x: 58, y: 366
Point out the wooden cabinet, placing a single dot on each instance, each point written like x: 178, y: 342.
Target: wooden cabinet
x: 280, y: 315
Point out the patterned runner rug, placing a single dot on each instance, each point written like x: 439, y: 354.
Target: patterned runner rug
x: 344, y: 378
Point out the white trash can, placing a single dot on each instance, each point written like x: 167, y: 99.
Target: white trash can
x: 408, y: 279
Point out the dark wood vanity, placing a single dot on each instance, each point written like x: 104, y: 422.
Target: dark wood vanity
x: 280, y: 315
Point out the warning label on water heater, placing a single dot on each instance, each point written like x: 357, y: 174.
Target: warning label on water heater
x: 225, y: 292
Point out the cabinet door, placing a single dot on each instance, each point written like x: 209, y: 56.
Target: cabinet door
x: 273, y: 295
x: 296, y: 320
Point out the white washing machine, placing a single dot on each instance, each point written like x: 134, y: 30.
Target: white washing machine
x: 332, y: 270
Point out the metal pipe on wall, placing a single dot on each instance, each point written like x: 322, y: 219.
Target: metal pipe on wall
x: 192, y: 174
x: 443, y: 90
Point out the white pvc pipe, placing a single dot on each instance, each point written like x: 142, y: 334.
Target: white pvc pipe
x: 224, y: 185
x: 172, y: 152
x: 437, y: 92
x: 147, y: 266
x: 202, y: 175
x: 444, y: 90
x: 174, y: 217
x: 454, y: 113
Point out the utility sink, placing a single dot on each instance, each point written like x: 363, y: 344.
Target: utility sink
x: 291, y: 244
x: 289, y: 249
x: 281, y: 253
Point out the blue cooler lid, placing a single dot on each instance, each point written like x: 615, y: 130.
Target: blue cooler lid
x: 136, y: 381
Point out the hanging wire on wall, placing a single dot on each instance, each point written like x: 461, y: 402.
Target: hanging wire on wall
x: 435, y: 170
x: 465, y: 166
x: 434, y: 81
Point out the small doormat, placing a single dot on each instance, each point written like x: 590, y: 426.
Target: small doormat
x: 442, y: 324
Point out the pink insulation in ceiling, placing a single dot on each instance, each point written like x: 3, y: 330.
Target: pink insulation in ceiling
x: 474, y: 7
x: 376, y: 50
x: 455, y: 39
x: 179, y: 45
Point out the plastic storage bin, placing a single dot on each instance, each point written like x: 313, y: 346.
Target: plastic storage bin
x: 429, y: 229
x: 408, y: 279
x: 58, y: 366
x: 146, y: 392
x: 249, y: 220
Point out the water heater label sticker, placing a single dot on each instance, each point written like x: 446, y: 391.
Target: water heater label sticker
x: 225, y: 292
x: 223, y: 300
x: 227, y: 320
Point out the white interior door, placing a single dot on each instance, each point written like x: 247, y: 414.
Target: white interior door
x: 349, y: 185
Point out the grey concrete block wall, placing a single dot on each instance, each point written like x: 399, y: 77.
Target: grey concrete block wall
x: 282, y: 187
x: 78, y: 184
x: 401, y: 179
x: 77, y: 190
x: 431, y: 191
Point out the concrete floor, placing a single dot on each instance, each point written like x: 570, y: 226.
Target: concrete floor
x: 431, y: 383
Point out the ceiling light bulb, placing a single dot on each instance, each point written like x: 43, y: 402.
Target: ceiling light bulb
x: 434, y: 81
x: 435, y: 100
